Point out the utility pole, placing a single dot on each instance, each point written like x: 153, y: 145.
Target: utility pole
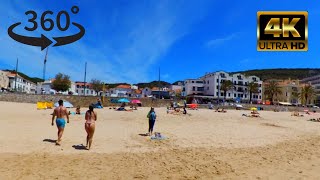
x: 44, y: 65
x: 218, y: 89
x: 15, y: 79
x: 159, y: 84
x: 85, y: 77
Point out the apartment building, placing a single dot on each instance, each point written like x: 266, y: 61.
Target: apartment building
x: 210, y: 85
x: 18, y: 83
x: 82, y: 89
x: 46, y: 88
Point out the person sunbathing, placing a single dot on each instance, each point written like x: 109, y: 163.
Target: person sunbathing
x: 251, y: 115
x: 295, y: 113
x: 78, y: 110
x: 221, y: 110
x: 254, y: 112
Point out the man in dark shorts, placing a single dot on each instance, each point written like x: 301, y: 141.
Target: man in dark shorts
x: 61, y: 113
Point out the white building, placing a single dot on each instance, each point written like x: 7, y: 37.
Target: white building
x: 146, y: 92
x: 315, y: 83
x: 46, y: 88
x: 20, y: 84
x: 80, y: 88
x: 210, y: 84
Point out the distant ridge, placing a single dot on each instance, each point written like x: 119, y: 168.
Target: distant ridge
x: 282, y: 73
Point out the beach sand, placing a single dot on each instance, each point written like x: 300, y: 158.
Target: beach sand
x: 202, y: 145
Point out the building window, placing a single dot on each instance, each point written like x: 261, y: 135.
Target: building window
x: 192, y: 81
x: 259, y: 97
x: 259, y: 85
x: 193, y: 88
x: 208, y: 82
x: 245, y: 96
x: 217, y: 94
x: 217, y: 87
x: 82, y: 91
x: 77, y: 91
x: 235, y: 95
x: 221, y: 94
x: 235, y: 82
x: 286, y: 93
x: 217, y: 80
x: 91, y: 92
x: 207, y: 88
x: 229, y: 95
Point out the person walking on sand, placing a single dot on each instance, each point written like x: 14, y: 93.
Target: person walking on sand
x: 152, y: 119
x: 90, y: 126
x: 61, y: 113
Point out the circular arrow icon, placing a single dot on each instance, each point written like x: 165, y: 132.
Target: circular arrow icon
x: 43, y: 41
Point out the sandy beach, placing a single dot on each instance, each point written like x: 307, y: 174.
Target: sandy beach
x: 202, y: 145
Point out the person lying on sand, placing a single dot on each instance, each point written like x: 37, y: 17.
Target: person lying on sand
x: 315, y: 120
x: 254, y: 112
x: 295, y: 113
x: 221, y: 110
x: 251, y: 115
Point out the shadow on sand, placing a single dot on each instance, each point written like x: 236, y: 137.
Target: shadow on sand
x: 143, y: 134
x: 79, y: 147
x: 50, y: 141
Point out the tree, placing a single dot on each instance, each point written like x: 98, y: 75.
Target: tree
x: 272, y: 89
x: 61, y: 83
x: 253, y: 88
x: 97, y: 85
x: 225, y: 87
x: 295, y: 96
x: 307, y: 93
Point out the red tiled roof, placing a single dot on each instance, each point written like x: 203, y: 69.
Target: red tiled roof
x: 123, y: 86
x: 155, y: 89
x: 138, y: 91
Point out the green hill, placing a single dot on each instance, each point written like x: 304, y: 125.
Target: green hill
x: 32, y: 79
x: 282, y: 73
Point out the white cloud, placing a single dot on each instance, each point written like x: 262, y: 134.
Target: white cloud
x: 124, y: 55
x: 220, y: 41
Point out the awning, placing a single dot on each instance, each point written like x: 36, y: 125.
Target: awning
x: 285, y: 103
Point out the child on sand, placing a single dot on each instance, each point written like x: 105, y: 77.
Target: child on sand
x: 78, y: 110
x: 152, y: 119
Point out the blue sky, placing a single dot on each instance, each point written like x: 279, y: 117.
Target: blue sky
x: 128, y: 40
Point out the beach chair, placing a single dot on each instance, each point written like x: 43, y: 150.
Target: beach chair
x: 49, y: 105
x: 41, y: 105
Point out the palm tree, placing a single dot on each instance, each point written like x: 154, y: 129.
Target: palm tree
x: 225, y: 87
x: 272, y: 89
x: 253, y: 88
x: 307, y: 93
x: 295, y: 95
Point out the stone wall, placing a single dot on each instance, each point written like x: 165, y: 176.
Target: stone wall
x: 83, y: 101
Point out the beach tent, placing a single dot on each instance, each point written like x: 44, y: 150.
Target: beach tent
x: 123, y: 100
x: 66, y: 104
x: 41, y: 105
x: 49, y: 105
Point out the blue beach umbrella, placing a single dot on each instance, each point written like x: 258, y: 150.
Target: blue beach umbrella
x: 123, y: 100
x: 66, y: 104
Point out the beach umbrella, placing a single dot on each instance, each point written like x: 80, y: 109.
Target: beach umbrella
x: 123, y: 100
x: 136, y: 101
x: 66, y: 104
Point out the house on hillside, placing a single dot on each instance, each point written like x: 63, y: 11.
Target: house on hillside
x: 146, y: 92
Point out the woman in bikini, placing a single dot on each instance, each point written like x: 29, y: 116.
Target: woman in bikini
x: 90, y: 126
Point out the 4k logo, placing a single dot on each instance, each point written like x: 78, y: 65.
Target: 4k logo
x: 282, y: 31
